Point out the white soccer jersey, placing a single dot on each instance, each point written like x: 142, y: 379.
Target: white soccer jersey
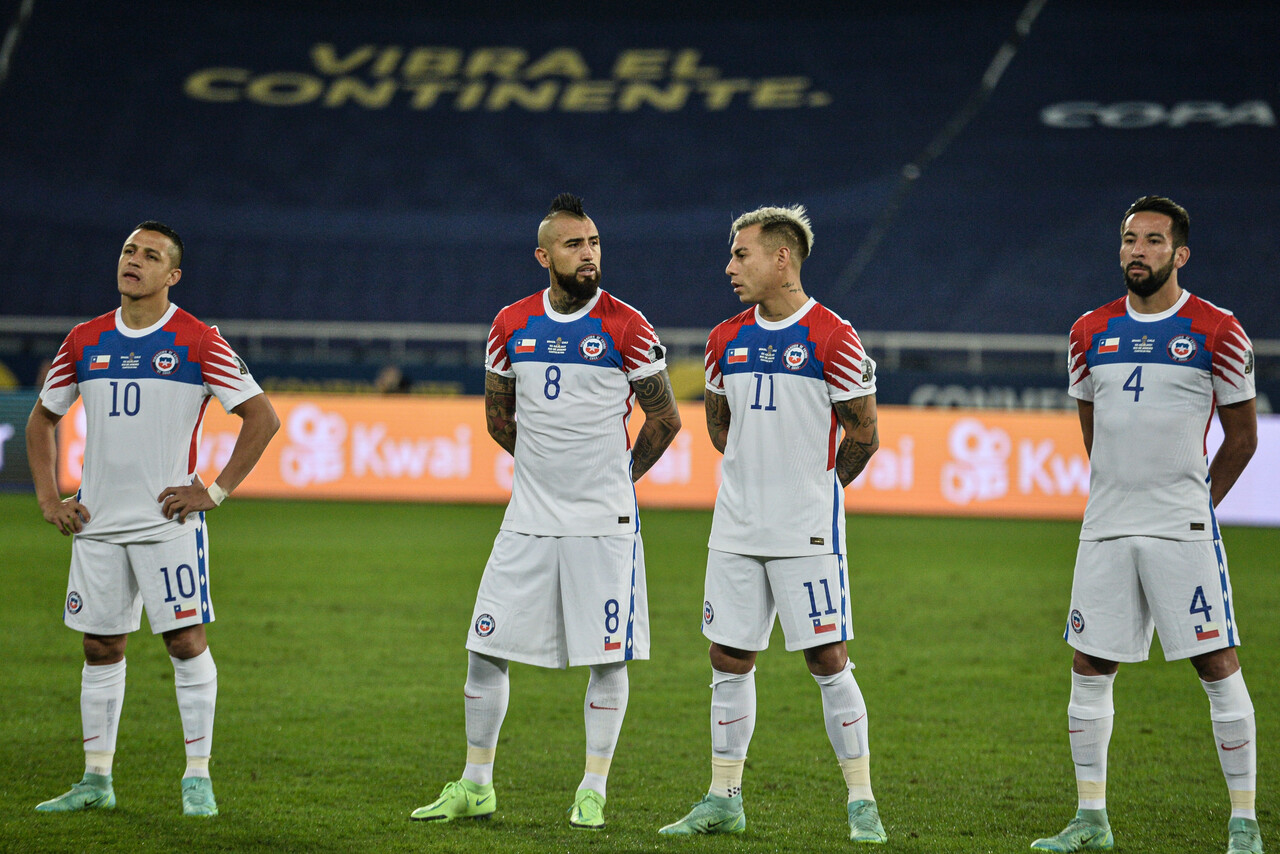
x: 779, y: 494
x: 1155, y: 380
x: 573, y: 399
x: 145, y: 393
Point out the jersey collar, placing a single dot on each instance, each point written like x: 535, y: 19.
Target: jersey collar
x: 1152, y: 318
x: 796, y: 317
x: 142, y: 333
x: 565, y: 318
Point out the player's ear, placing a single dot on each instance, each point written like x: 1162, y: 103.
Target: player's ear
x: 174, y: 275
x: 543, y: 258
x: 1182, y: 255
x: 783, y: 257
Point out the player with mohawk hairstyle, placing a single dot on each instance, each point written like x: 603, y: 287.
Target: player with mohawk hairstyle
x: 565, y: 583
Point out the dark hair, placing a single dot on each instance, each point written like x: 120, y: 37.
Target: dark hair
x: 1181, y: 220
x: 566, y: 203
x: 161, y: 228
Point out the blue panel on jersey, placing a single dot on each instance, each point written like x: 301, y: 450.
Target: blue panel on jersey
x: 771, y: 351
x: 1165, y: 342
x: 153, y: 356
x: 579, y: 342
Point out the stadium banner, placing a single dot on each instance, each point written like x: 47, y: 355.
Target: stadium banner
x: 15, y: 406
x: 409, y: 448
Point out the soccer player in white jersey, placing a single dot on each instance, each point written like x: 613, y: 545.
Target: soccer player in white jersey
x: 1148, y: 370
x: 564, y: 584
x: 784, y: 379
x: 145, y: 372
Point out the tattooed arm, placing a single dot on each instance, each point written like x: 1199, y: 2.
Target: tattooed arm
x: 661, y: 421
x: 500, y: 409
x: 861, y: 436
x: 717, y: 406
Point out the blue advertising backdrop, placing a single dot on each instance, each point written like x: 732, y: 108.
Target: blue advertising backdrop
x: 387, y: 162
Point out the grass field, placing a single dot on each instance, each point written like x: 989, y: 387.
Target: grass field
x: 339, y: 646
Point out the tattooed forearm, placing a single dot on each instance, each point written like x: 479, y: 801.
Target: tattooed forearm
x: 661, y: 422
x: 861, y: 436
x: 500, y: 409
x: 717, y: 407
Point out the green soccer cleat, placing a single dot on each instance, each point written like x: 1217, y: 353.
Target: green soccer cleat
x: 1245, y: 838
x: 588, y: 810
x: 93, y: 792
x: 864, y: 823
x: 712, y: 814
x: 197, y: 797
x: 460, y: 799
x: 1088, y: 831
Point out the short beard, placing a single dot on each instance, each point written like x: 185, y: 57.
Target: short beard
x: 580, y: 289
x: 1153, y: 282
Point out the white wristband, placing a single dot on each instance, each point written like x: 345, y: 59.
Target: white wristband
x: 217, y: 494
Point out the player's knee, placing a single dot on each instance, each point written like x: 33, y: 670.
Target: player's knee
x: 104, y: 649
x: 827, y: 660
x: 729, y: 660
x: 1216, y: 666
x: 185, y: 643
x: 1091, y: 665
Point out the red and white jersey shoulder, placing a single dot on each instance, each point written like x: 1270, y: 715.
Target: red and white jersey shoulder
x: 573, y: 377
x: 145, y: 393
x: 779, y: 493
x: 1154, y: 381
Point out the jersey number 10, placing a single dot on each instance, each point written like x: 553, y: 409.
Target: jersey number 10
x: 132, y: 399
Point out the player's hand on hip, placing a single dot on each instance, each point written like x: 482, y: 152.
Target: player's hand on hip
x: 67, y: 515
x: 179, y: 501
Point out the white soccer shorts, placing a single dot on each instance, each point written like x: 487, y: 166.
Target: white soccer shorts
x: 1126, y: 587
x: 559, y: 601
x: 109, y: 583
x: 809, y: 595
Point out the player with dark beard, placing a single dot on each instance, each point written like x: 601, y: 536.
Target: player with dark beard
x: 564, y: 584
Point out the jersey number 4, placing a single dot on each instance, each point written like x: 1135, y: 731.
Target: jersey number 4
x: 1134, y: 383
x: 1200, y: 605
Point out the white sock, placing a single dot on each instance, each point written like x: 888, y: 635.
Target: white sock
x: 485, y: 696
x: 603, y: 710
x: 1090, y: 716
x: 845, y: 714
x: 1235, y: 733
x: 733, y: 720
x: 195, y: 681
x: 101, y: 698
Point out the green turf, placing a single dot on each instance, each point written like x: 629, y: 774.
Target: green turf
x: 339, y: 647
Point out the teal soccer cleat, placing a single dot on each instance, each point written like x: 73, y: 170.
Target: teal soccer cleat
x: 712, y: 814
x: 460, y: 799
x: 1245, y: 838
x: 93, y: 792
x: 1088, y: 831
x: 588, y: 810
x: 864, y: 823
x: 197, y: 797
